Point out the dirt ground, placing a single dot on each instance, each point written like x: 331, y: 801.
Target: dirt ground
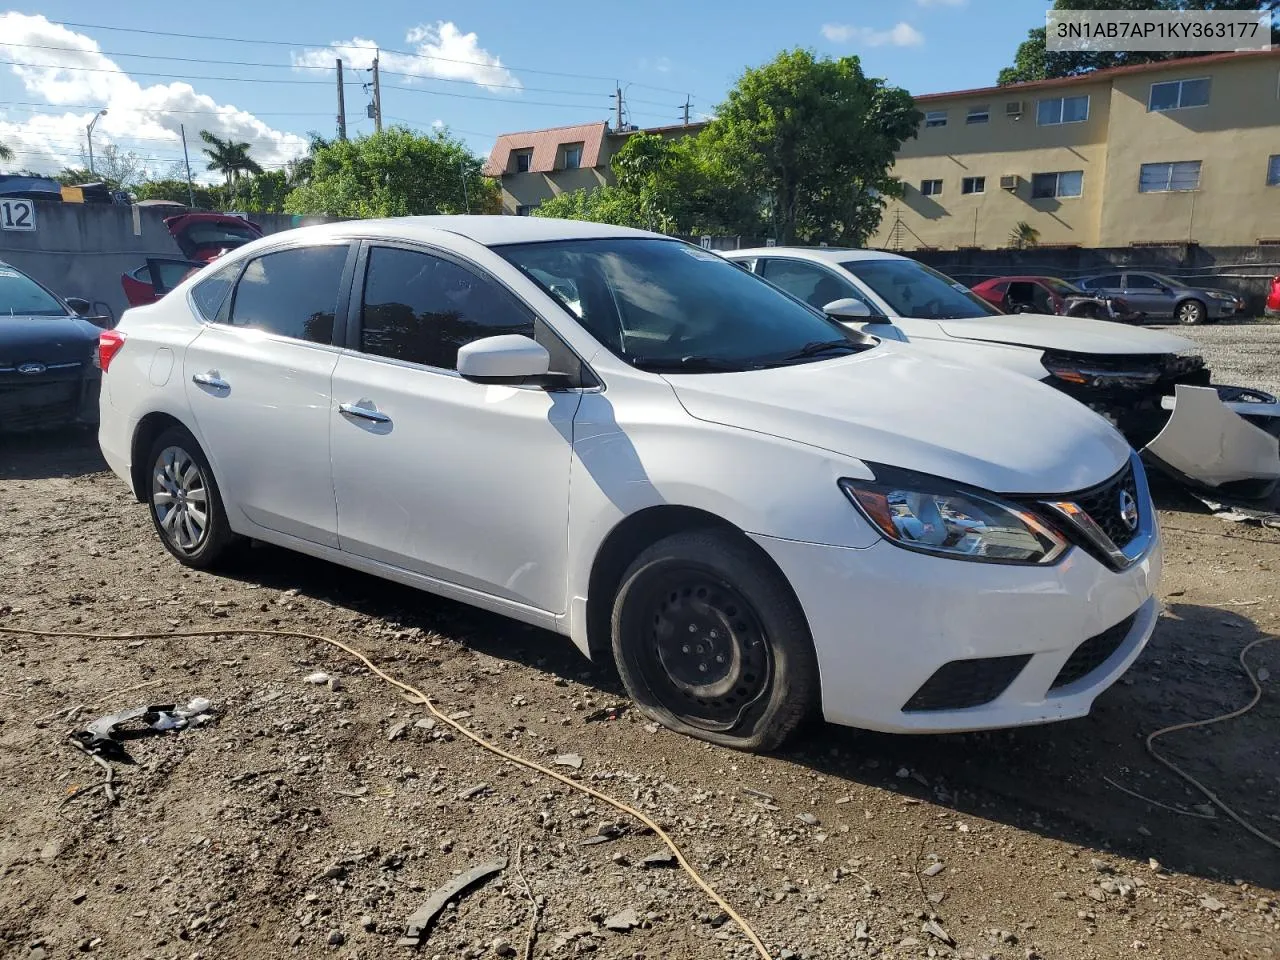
x: 311, y: 822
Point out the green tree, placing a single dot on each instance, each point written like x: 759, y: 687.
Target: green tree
x: 395, y: 173
x: 1023, y: 236
x: 599, y: 204
x: 814, y: 140
x: 175, y: 189
x: 265, y: 192
x: 231, y: 159
x: 6, y: 152
x: 1033, y: 61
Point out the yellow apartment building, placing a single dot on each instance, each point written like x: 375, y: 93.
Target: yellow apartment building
x: 1176, y: 152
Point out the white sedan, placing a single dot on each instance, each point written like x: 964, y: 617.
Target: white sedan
x: 1152, y: 385
x: 757, y: 514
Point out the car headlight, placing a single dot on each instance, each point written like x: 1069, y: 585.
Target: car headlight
x: 931, y: 515
x: 1222, y: 296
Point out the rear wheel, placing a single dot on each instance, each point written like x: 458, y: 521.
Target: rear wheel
x: 185, y: 505
x: 711, y: 642
x: 1190, y: 312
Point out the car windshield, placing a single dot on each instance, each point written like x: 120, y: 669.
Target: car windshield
x: 23, y: 297
x: 913, y: 290
x: 1062, y: 288
x: 668, y: 306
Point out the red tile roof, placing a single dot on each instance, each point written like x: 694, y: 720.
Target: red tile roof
x: 545, y: 145
x: 1185, y: 63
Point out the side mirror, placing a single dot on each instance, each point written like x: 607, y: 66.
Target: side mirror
x: 850, y: 310
x: 506, y: 359
x: 79, y: 305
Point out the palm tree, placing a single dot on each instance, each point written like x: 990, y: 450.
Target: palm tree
x: 1024, y: 236
x: 230, y: 158
x: 6, y: 153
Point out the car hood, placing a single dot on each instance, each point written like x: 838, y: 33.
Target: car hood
x: 45, y: 339
x: 895, y: 405
x: 1072, y: 334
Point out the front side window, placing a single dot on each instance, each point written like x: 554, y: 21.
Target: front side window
x: 667, y: 306
x: 935, y: 118
x: 973, y: 185
x: 931, y: 188
x: 1062, y: 110
x: 573, y: 156
x: 291, y: 293
x: 811, y: 283
x: 1178, y: 94
x: 1065, y: 183
x: 1169, y: 177
x: 22, y: 296
x: 1140, y: 281
x: 421, y: 308
x: 913, y: 290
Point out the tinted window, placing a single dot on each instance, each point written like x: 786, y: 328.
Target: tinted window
x: 913, y: 290
x: 421, y: 308
x: 293, y: 293
x: 211, y: 293
x: 1140, y: 281
x: 665, y: 305
x: 1110, y: 281
x: 22, y: 296
x: 810, y: 282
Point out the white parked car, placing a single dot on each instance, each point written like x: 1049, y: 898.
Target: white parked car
x: 623, y: 438
x: 1152, y: 385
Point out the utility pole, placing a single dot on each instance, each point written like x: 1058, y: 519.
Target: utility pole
x: 89, y: 134
x: 686, y: 111
x: 191, y: 192
x: 377, y: 98
x: 342, y: 106
x: 462, y: 169
x: 617, y: 95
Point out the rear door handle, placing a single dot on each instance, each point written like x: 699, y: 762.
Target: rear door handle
x: 210, y: 379
x: 364, y: 413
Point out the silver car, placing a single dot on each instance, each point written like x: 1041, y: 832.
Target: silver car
x: 1160, y: 297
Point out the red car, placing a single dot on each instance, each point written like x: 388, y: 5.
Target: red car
x: 1273, y: 298
x: 201, y: 237
x: 1051, y: 295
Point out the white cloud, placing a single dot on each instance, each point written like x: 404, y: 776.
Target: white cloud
x: 49, y: 141
x: 454, y: 56
x: 657, y: 65
x: 942, y: 3
x: 900, y: 35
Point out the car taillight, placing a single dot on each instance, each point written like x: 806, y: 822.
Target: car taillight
x: 110, y: 343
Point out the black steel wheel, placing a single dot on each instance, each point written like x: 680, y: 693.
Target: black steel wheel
x: 710, y: 641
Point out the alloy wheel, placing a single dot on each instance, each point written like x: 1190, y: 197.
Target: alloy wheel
x: 180, y: 499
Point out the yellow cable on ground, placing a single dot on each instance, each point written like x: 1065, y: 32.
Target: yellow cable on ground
x: 1257, y: 695
x: 421, y: 697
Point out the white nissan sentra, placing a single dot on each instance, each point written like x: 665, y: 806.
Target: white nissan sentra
x: 757, y: 513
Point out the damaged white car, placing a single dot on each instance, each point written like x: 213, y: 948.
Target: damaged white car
x: 1152, y: 385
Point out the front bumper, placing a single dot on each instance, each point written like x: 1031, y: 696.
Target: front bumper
x: 47, y: 402
x: 1210, y: 443
x: 884, y: 620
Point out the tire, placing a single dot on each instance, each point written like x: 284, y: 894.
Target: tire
x: 1190, y: 313
x: 197, y: 538
x: 751, y: 679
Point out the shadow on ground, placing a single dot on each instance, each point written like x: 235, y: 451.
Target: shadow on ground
x: 66, y: 452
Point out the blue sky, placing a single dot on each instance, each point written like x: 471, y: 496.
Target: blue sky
x: 477, y: 70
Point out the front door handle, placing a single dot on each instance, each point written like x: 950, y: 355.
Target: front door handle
x: 210, y: 379
x: 364, y: 413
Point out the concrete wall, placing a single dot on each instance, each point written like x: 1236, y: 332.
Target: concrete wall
x: 80, y: 250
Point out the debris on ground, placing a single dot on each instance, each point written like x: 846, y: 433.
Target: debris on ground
x: 106, y: 734
x: 623, y: 921
x: 418, y: 926
x: 571, y: 760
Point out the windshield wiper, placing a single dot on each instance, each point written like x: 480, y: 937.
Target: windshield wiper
x: 691, y: 364
x: 818, y: 347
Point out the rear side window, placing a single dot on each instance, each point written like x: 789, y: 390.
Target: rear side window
x: 291, y: 293
x: 421, y: 308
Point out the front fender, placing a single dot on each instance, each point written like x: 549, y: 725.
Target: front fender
x: 1206, y: 441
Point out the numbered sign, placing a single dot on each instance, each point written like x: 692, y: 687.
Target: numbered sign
x: 17, y: 215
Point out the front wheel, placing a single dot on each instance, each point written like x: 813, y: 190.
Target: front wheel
x: 1190, y: 312
x: 185, y: 504
x: 711, y: 642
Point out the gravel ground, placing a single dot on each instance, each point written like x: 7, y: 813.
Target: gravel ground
x: 1242, y: 354
x: 308, y: 821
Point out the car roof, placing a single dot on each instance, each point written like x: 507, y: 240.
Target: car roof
x: 488, y: 230
x: 1028, y: 278
x: 829, y: 254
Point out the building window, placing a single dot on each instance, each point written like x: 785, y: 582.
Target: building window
x: 1169, y: 177
x: 973, y: 185
x: 526, y: 209
x: 572, y: 156
x: 1273, y: 171
x: 1178, y: 94
x: 931, y: 188
x: 935, y: 118
x: 979, y: 114
x: 523, y: 160
x: 1066, y: 183
x: 1062, y: 110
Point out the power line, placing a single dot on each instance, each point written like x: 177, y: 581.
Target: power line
x: 53, y: 108
x: 338, y: 46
